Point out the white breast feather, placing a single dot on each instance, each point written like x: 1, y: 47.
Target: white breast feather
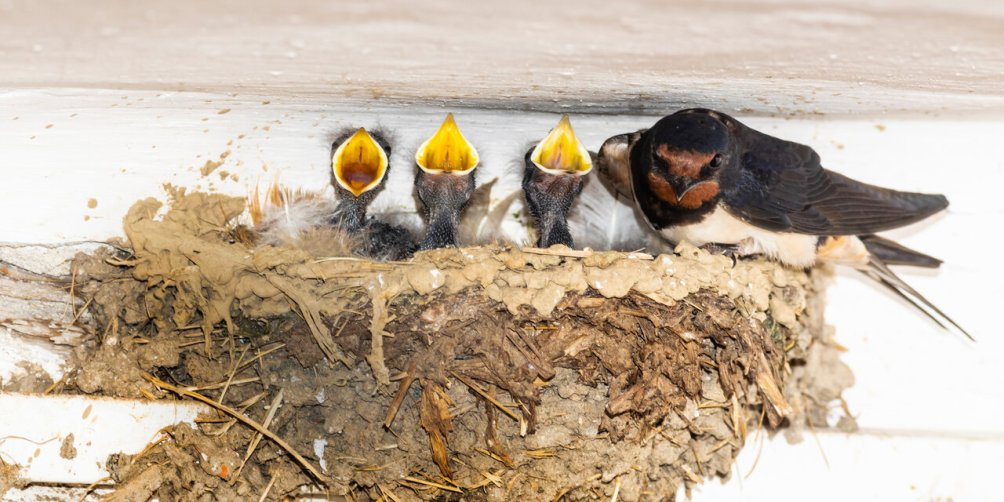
x: 720, y: 227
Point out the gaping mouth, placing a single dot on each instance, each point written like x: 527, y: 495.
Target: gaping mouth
x: 359, y: 163
x: 561, y: 152
x: 447, y: 151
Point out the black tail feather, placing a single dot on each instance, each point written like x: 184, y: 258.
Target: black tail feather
x: 878, y: 271
x: 894, y: 253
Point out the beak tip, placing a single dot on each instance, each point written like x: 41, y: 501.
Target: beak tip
x: 562, y: 152
x: 447, y: 151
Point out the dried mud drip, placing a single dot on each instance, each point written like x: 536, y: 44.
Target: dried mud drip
x: 476, y: 374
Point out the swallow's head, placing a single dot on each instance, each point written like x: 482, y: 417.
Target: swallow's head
x: 683, y: 157
x: 359, y: 162
x: 447, y: 151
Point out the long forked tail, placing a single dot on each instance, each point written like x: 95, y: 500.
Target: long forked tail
x: 879, y: 271
x: 893, y: 253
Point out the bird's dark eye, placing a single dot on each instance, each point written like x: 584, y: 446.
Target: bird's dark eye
x: 716, y: 160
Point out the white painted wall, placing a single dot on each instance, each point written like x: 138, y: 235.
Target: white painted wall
x: 37, y: 428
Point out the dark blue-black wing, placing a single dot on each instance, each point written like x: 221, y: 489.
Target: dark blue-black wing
x: 780, y: 186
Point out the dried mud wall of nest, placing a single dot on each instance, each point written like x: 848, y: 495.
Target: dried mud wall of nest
x: 477, y: 373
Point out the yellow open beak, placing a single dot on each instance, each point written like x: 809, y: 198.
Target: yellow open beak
x: 447, y: 151
x: 561, y: 152
x: 359, y: 163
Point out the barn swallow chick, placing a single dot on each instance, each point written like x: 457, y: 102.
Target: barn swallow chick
x: 553, y: 177
x: 445, y: 181
x: 702, y: 176
x: 359, y: 164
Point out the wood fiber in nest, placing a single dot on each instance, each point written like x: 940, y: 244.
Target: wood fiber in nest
x: 485, y: 373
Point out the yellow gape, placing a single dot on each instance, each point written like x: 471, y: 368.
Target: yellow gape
x: 447, y: 151
x: 561, y: 152
x: 360, y: 163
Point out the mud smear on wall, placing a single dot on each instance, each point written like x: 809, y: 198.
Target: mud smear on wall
x: 487, y: 373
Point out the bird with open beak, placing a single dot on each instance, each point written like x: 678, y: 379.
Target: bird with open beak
x: 445, y: 181
x: 554, y: 174
x: 359, y: 164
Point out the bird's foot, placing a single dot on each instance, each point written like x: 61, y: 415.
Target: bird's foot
x: 730, y: 250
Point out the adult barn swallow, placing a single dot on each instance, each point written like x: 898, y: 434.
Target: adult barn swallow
x: 553, y: 176
x: 702, y: 176
x: 445, y: 181
x: 359, y: 164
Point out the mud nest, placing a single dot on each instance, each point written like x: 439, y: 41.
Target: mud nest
x: 488, y: 373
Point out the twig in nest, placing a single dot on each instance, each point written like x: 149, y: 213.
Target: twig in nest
x: 161, y: 436
x: 233, y: 373
x: 759, y: 450
x: 808, y: 422
x: 258, y: 356
x: 402, y: 391
x: 721, y: 444
x: 225, y: 384
x: 387, y: 493
x: 691, y: 475
x: 268, y: 488
x: 272, y: 409
x: 73, y: 283
x: 62, y: 380
x: 493, y: 456
x: 532, y: 354
x: 247, y: 421
x: 90, y: 488
x: 738, y: 423
x: 540, y: 453
x: 242, y: 407
x: 576, y: 253
x: 569, y: 253
x: 768, y: 386
x: 433, y: 484
x: 434, y: 416
x: 564, y: 491
x: 697, y: 460
x: 80, y: 312
x: 494, y: 478
x: 487, y: 396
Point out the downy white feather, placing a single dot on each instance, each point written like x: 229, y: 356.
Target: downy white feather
x: 297, y: 218
x: 601, y: 220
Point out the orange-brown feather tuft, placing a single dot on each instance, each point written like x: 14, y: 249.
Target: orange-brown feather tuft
x: 684, y: 163
x: 693, y: 199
